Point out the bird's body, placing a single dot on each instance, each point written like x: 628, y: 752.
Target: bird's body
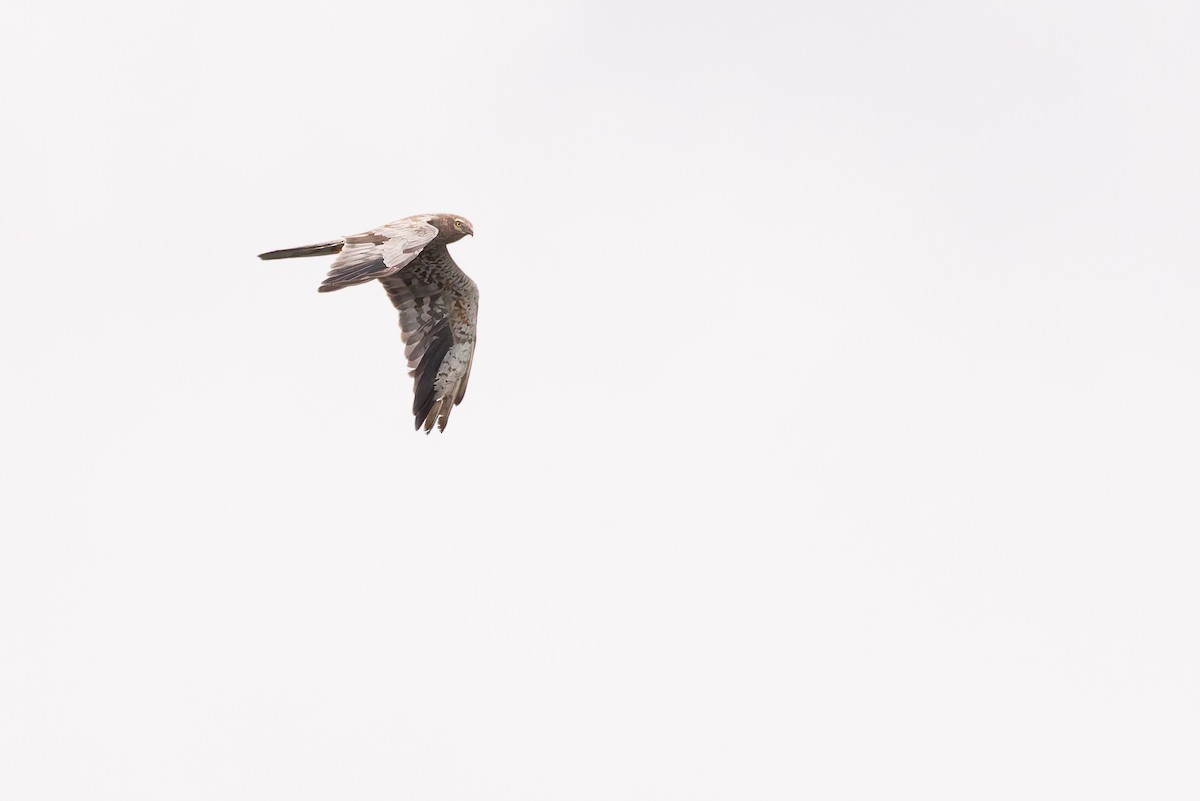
x: 436, y: 300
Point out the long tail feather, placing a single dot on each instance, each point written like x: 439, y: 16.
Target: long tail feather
x: 320, y: 249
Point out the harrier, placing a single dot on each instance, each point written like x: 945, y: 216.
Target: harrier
x: 436, y: 300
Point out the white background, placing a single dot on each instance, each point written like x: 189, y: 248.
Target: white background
x: 832, y: 434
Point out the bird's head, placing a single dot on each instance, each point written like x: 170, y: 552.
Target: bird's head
x: 451, y: 227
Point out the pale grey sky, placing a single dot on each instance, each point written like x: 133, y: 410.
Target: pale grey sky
x: 832, y: 433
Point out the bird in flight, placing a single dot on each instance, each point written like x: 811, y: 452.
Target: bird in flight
x: 437, y: 301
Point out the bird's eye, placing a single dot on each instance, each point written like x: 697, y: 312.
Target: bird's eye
x: 458, y: 223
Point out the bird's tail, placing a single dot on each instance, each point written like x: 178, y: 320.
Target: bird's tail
x: 321, y: 249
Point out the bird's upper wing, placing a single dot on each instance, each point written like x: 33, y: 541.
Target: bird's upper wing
x: 438, y: 304
x: 379, y: 252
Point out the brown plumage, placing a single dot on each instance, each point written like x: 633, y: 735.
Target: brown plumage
x: 436, y: 300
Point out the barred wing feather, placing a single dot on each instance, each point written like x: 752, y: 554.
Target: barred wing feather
x: 438, y: 304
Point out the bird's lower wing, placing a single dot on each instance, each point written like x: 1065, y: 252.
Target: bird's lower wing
x: 437, y: 324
